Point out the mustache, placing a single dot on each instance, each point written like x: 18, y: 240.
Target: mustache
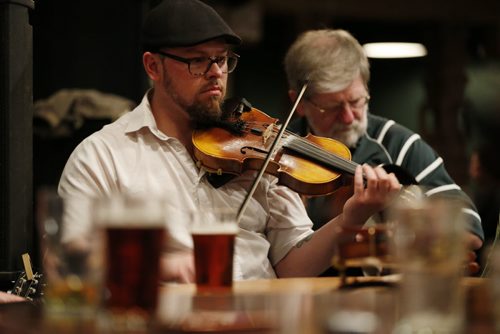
x: 344, y: 127
x: 211, y: 84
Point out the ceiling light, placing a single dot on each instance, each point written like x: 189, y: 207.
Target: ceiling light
x: 394, y: 50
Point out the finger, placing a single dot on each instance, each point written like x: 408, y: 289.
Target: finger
x: 390, y: 184
x: 371, y: 177
x: 473, y: 241
x: 473, y: 268
x: 358, y: 180
x: 471, y: 256
x: 384, y: 182
x: 381, y: 173
x: 395, y: 184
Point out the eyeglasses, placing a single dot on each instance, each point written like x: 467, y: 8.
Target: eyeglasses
x: 336, y: 108
x: 199, y: 66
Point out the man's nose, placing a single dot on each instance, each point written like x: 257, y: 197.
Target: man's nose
x: 346, y: 115
x: 214, y: 70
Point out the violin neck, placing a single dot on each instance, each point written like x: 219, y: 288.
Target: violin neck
x: 320, y: 155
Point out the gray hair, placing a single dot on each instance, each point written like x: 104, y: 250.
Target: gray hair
x: 329, y: 59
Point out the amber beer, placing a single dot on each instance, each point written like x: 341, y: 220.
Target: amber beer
x: 213, y: 253
x: 134, y: 229
x: 132, y: 276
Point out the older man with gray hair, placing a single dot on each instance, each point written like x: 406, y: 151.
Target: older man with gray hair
x: 335, y: 105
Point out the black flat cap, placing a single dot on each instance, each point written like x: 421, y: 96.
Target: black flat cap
x: 176, y: 23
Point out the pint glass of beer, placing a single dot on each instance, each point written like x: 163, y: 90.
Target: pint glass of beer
x: 134, y: 230
x: 214, y: 233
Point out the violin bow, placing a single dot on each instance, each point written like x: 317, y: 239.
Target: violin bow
x: 269, y: 154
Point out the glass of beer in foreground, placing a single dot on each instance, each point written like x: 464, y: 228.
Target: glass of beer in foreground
x: 72, y: 266
x: 214, y: 233
x: 134, y: 230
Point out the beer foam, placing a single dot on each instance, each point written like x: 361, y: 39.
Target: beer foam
x: 222, y: 228
x: 119, y: 214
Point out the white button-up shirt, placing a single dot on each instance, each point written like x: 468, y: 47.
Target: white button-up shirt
x: 132, y: 156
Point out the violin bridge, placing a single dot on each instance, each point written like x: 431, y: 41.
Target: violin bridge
x: 267, y: 133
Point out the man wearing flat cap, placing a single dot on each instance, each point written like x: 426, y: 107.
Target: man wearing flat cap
x: 149, y: 152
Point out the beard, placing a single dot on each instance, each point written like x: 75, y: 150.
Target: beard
x: 206, y: 114
x: 350, y: 134
x: 202, y: 113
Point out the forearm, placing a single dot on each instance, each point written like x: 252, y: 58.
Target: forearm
x: 312, y: 255
x: 177, y: 267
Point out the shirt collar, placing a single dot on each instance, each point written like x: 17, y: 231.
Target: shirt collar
x: 142, y: 117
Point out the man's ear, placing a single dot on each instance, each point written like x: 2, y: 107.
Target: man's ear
x: 292, y: 94
x: 151, y: 65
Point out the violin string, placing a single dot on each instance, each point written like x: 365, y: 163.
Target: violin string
x: 311, y: 149
x: 315, y: 151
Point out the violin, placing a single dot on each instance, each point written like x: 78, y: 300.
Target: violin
x: 308, y: 165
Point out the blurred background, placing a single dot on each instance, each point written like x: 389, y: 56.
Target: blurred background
x: 451, y: 96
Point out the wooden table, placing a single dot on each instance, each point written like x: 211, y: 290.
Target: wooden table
x: 298, y: 305
x: 303, y: 305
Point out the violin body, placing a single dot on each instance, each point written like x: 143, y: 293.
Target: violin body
x: 221, y: 151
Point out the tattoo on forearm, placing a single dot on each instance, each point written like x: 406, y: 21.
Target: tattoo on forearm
x: 303, y: 241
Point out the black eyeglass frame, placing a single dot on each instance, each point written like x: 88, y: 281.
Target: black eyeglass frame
x: 213, y: 60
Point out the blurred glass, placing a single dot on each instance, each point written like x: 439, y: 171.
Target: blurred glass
x: 72, y: 266
x: 367, y: 247
x: 357, y: 311
x: 495, y: 277
x: 430, y: 251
